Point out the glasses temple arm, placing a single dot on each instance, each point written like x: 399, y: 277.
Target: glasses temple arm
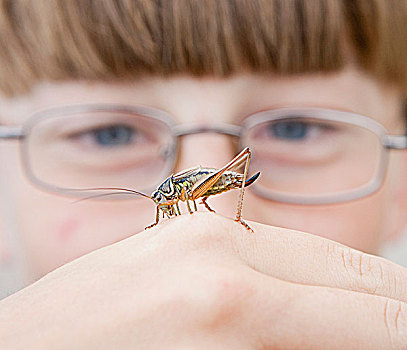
x: 11, y: 132
x: 395, y: 141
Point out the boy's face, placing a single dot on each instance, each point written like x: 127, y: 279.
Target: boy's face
x: 52, y: 230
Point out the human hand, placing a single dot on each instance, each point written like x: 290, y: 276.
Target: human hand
x: 202, y: 282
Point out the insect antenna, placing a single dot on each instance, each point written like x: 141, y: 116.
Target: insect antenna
x: 117, y: 189
x: 100, y: 195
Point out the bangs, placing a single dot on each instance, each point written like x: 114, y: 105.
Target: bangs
x: 109, y: 39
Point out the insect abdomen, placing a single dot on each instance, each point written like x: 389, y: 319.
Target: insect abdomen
x: 229, y: 180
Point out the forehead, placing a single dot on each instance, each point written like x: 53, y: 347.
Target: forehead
x: 190, y: 99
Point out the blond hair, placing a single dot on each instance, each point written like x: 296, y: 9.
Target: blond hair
x: 110, y: 39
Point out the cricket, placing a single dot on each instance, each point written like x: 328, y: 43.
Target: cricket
x: 198, y: 182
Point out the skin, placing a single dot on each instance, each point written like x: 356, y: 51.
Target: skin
x: 224, y: 265
x: 203, y: 282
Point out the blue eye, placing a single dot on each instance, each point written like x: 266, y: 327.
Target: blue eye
x: 292, y: 130
x: 115, y: 135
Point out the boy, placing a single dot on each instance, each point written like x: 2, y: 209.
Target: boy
x: 109, y: 94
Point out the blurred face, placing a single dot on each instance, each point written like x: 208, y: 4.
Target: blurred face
x: 52, y: 230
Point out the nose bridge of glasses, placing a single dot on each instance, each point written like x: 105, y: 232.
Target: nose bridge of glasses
x: 215, y: 128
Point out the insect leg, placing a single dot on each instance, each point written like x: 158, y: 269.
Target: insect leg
x: 157, y: 217
x: 240, y: 202
x: 208, y: 181
x: 189, y: 207
x: 177, y: 208
x: 246, y: 226
x: 195, y: 207
x: 185, y: 197
x: 206, y: 204
x: 171, y: 211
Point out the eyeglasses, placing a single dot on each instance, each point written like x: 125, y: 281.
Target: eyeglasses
x: 305, y: 155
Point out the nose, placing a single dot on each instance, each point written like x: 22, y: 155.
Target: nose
x: 211, y: 151
x: 208, y: 150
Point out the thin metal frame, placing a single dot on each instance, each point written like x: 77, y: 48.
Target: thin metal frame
x: 388, y: 141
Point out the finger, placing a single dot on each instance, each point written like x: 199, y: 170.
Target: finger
x: 308, y: 259
x: 311, y: 317
x: 285, y: 254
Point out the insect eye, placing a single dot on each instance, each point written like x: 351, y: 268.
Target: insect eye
x: 156, y: 196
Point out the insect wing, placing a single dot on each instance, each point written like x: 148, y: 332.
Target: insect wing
x: 187, y: 173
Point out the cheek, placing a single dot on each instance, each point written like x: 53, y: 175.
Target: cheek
x: 51, y: 230
x: 68, y: 228
x: 359, y: 224
x: 54, y: 231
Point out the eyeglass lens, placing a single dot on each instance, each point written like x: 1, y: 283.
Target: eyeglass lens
x: 99, y: 149
x: 313, y: 157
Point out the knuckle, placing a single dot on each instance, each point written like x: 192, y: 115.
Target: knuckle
x: 366, y: 272
x: 207, y: 299
x: 226, y: 295
x: 373, y: 275
x: 395, y: 322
